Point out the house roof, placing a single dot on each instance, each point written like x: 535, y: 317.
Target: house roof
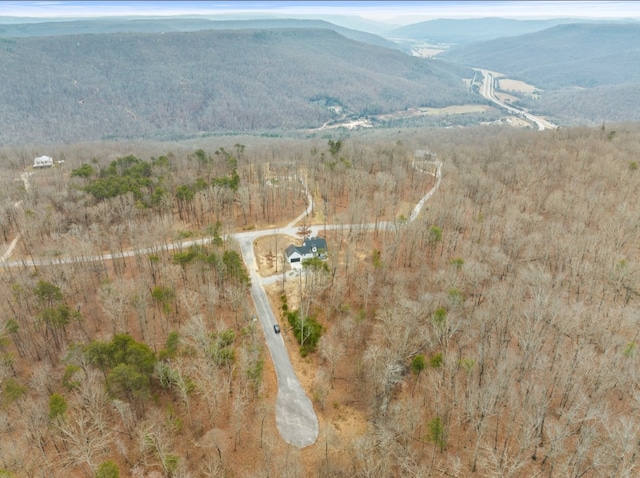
x: 290, y: 250
x: 310, y: 242
x: 307, y: 246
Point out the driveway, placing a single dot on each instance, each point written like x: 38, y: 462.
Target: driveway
x: 296, y: 419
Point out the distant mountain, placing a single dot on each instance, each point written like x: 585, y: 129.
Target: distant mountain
x: 459, y: 31
x: 574, y: 55
x: 354, y: 23
x: 130, y: 85
x: 175, y: 24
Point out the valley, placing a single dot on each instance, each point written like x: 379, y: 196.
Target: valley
x: 319, y: 246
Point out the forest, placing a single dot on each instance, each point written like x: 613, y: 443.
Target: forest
x: 594, y: 106
x: 494, y: 335
x: 177, y: 85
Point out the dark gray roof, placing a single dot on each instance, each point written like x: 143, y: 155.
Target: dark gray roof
x: 307, y: 246
x: 290, y: 250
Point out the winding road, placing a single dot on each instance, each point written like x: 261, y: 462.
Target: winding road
x: 296, y: 419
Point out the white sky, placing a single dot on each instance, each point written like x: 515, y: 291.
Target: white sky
x: 402, y: 12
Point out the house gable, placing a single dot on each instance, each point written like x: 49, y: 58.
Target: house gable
x: 310, y: 248
x: 292, y: 254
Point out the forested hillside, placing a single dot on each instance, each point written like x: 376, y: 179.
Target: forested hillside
x: 494, y: 335
x: 87, y: 87
x: 592, y: 106
x: 577, y: 55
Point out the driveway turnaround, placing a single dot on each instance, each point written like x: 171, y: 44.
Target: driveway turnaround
x: 296, y: 419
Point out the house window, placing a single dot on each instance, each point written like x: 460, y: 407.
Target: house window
x: 294, y: 259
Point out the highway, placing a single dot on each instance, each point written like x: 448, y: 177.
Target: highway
x: 487, y: 90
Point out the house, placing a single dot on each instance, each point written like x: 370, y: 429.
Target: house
x: 43, y: 162
x: 424, y: 154
x: 310, y: 248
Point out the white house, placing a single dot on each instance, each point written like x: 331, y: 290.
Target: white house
x: 310, y: 248
x: 43, y: 162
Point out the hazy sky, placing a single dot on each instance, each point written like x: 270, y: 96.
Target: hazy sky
x: 389, y: 12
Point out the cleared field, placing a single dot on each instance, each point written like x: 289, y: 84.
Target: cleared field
x: 455, y: 110
x: 516, y: 85
x: 449, y: 110
x: 427, y: 52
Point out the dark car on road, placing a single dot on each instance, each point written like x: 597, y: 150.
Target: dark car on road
x: 276, y: 327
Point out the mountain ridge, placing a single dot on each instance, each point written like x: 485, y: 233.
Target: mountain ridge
x: 87, y: 87
x: 178, y: 24
x: 469, y: 30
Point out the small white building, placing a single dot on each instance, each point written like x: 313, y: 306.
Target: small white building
x: 43, y: 162
x: 311, y: 247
